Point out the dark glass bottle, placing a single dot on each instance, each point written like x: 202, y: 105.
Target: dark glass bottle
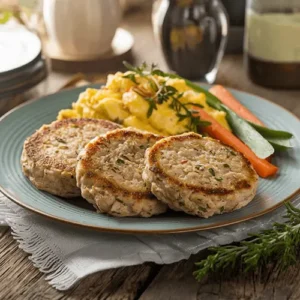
x: 192, y: 35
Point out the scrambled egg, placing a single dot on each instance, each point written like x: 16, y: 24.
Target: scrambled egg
x: 119, y: 102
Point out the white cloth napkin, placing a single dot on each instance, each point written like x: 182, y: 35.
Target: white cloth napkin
x: 67, y: 253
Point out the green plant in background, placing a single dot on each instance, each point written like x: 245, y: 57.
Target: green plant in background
x: 20, y: 10
x: 7, y: 12
x: 280, y: 243
x: 5, y: 16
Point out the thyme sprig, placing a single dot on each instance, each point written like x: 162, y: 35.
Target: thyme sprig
x: 280, y: 243
x: 161, y: 93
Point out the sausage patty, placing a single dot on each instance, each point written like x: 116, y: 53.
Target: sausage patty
x: 199, y: 175
x: 49, y: 156
x: 109, y: 173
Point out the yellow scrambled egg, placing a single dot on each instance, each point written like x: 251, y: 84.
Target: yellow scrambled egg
x: 119, y: 102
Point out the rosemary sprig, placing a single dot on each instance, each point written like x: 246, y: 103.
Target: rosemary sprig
x: 161, y: 93
x: 280, y: 243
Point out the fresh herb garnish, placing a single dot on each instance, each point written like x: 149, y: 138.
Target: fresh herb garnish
x: 226, y: 166
x: 219, y: 178
x: 161, y: 93
x: 222, y: 209
x: 131, y: 76
x: 239, y: 124
x: 120, y: 161
x: 152, y: 106
x: 281, y: 243
x: 212, y: 171
x: 118, y: 121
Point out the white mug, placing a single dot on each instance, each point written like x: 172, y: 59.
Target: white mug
x: 83, y: 29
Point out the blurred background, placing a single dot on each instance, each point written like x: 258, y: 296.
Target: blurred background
x: 46, y: 45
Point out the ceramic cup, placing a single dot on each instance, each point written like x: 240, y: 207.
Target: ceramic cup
x: 82, y: 29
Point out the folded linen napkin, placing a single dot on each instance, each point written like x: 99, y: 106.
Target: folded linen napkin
x: 67, y: 255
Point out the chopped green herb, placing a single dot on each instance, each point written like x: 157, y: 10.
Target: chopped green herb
x: 219, y: 178
x: 226, y: 166
x: 119, y: 200
x: 222, y: 209
x: 152, y: 106
x: 118, y: 121
x: 202, y: 208
x: 120, y: 161
x: 199, y: 167
x: 125, y: 157
x: 212, y: 171
x: 232, y: 152
x: 142, y: 147
x: 60, y: 140
x: 194, y: 104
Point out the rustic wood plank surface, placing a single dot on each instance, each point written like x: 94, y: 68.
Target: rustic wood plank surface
x: 20, y: 280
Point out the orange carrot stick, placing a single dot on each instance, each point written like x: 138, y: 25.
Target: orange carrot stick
x: 217, y: 131
x: 227, y: 98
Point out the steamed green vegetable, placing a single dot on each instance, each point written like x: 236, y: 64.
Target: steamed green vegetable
x: 280, y: 140
x: 280, y: 144
x: 246, y: 133
x: 271, y: 133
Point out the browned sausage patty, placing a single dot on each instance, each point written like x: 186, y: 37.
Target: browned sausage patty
x: 50, y: 155
x: 199, y: 175
x: 109, y: 173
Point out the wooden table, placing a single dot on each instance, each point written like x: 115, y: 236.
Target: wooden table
x: 20, y: 280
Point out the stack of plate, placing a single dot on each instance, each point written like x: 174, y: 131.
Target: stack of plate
x: 21, y: 62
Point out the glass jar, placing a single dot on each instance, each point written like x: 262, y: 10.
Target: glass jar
x: 272, y: 42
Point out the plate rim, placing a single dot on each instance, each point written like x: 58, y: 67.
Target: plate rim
x: 29, y: 63
x: 137, y: 231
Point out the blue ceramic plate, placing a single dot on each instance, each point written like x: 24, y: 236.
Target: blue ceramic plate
x: 24, y: 120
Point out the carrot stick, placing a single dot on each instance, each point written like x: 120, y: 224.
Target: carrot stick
x: 215, y: 130
x: 227, y: 98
